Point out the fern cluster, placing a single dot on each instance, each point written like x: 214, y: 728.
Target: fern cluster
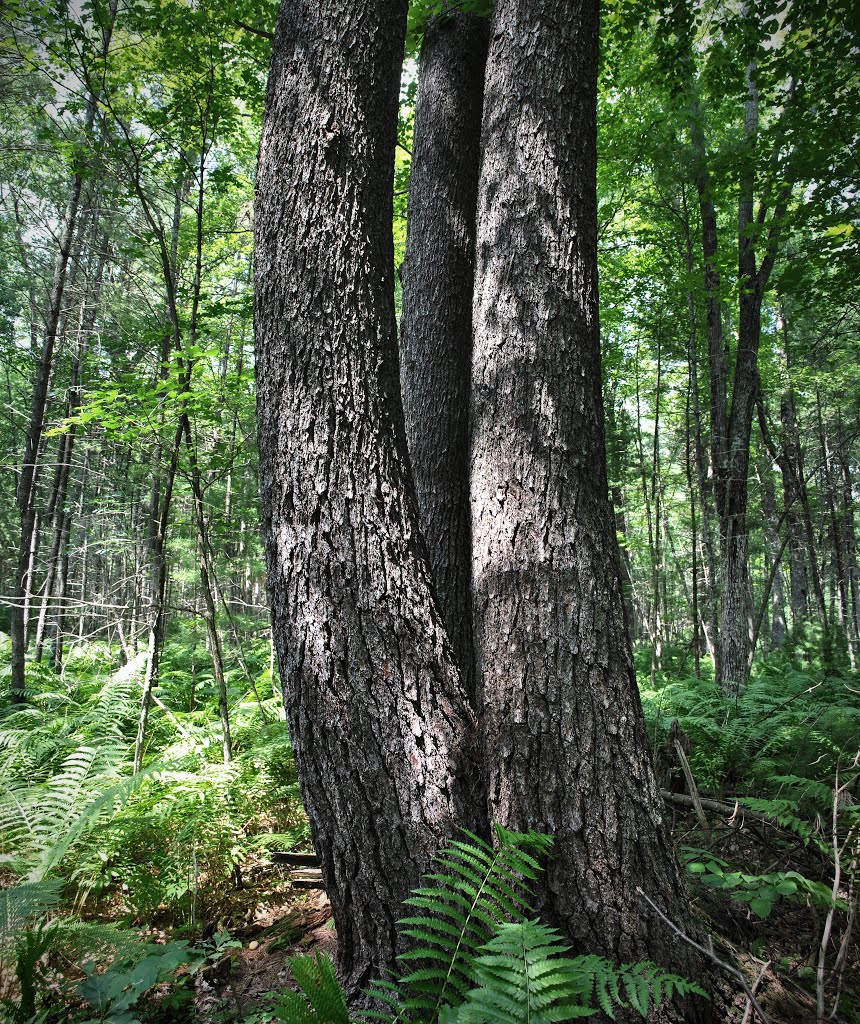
x: 478, y: 956
x: 75, y: 822
x: 785, y: 732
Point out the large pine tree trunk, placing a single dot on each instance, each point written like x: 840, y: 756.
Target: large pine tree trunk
x: 436, y: 325
x: 564, y: 737
x: 378, y: 718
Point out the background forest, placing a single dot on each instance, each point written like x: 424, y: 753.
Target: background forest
x: 146, y: 777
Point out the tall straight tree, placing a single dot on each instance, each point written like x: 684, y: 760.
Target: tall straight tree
x: 564, y: 741
x: 436, y: 325
x: 69, y: 239
x: 379, y: 722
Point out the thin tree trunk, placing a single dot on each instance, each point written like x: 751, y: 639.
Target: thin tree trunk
x: 157, y: 624
x: 654, y: 619
x: 565, y: 745
x: 794, y: 497
x: 770, y: 517
x: 380, y: 724
x: 840, y: 583
x: 436, y: 325
x: 710, y: 620
x: 614, y: 444
x: 62, y: 515
x: 850, y: 535
x: 25, y: 490
x: 694, y: 533
x: 210, y: 616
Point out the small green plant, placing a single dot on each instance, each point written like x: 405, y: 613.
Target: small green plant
x: 479, y: 958
x: 760, y: 892
x: 321, y: 999
x: 525, y: 973
x: 114, y: 992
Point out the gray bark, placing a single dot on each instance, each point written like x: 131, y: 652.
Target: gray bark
x: 564, y: 738
x: 381, y: 729
x: 436, y: 325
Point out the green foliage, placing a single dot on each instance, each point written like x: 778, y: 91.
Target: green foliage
x: 759, y: 891
x: 481, y: 958
x: 115, y: 991
x: 320, y: 999
x: 76, y: 825
x: 759, y: 745
x: 521, y: 974
x: 525, y: 973
x: 478, y: 888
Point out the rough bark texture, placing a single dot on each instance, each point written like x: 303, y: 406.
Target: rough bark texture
x: 436, y: 326
x: 379, y: 721
x: 564, y: 739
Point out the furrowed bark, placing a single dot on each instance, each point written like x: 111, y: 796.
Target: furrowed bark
x: 564, y: 737
x: 436, y: 325
x: 380, y: 725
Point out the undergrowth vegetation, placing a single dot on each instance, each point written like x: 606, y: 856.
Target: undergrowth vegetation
x: 772, y: 848
x: 112, y: 882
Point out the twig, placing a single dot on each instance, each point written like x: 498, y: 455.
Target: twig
x: 709, y: 954
x: 691, y: 785
x: 718, y: 807
x: 253, y: 29
x: 838, y: 852
x: 756, y: 983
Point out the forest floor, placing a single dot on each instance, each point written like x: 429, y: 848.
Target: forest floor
x: 272, y: 922
x: 179, y: 860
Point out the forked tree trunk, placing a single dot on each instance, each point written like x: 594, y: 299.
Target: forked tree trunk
x: 380, y: 725
x: 565, y: 745
x: 436, y: 325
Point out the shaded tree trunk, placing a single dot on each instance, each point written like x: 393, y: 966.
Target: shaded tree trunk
x: 158, y: 618
x: 436, y: 325
x: 849, y: 529
x: 564, y: 737
x: 837, y: 537
x: 206, y: 585
x: 710, y: 620
x: 773, y: 546
x: 380, y: 725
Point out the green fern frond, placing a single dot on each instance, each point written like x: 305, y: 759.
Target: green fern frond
x: 20, y: 904
x: 522, y: 975
x: 478, y: 888
x: 321, y: 999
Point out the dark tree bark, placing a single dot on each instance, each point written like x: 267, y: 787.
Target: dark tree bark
x: 436, y: 325
x: 564, y: 738
x: 839, y: 582
x: 733, y: 396
x: 849, y: 530
x: 773, y: 545
x: 381, y: 728
x: 794, y: 496
x: 710, y: 620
